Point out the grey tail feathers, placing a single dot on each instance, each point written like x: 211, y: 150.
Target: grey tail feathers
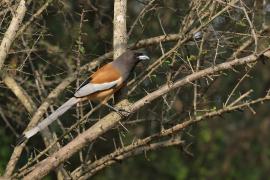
x: 21, y: 139
x: 47, y: 121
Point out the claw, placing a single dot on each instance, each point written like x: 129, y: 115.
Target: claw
x: 122, y: 112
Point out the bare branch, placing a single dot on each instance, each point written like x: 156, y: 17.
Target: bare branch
x: 111, y: 120
x: 119, y: 28
x: 66, y: 82
x: 34, y: 16
x: 20, y: 93
x: 135, y: 148
x: 10, y: 34
x: 30, y: 106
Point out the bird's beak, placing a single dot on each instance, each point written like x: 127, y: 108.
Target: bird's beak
x: 143, y: 57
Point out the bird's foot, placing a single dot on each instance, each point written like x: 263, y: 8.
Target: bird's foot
x: 122, y: 112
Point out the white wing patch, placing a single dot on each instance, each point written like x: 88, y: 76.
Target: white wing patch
x: 91, y: 88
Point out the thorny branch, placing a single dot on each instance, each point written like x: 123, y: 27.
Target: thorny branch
x: 10, y: 33
x: 142, y: 145
x: 109, y: 121
x: 208, y: 65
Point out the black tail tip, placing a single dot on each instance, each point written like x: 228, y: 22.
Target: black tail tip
x: 21, y: 140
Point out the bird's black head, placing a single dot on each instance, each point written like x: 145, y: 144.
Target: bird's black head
x: 128, y: 60
x: 132, y: 57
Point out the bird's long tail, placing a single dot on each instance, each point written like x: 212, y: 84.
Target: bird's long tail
x: 47, y: 121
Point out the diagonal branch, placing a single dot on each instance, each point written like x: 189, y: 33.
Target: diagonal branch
x: 10, y: 34
x: 31, y: 107
x: 111, y: 120
x: 120, y: 154
x: 90, y: 168
x: 20, y: 93
x: 53, y: 95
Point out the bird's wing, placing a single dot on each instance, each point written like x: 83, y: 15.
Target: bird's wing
x: 85, y: 82
x: 91, y: 88
x: 105, y: 78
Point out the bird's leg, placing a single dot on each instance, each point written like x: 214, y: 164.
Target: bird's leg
x: 120, y: 111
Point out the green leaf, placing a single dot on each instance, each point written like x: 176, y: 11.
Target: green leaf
x: 192, y: 58
x: 82, y: 50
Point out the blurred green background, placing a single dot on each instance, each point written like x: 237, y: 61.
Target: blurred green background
x: 233, y: 146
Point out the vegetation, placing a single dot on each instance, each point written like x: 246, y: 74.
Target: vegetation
x: 199, y: 109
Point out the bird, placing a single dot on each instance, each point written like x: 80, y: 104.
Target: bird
x: 99, y: 87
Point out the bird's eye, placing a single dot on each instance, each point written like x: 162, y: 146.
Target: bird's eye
x: 137, y: 54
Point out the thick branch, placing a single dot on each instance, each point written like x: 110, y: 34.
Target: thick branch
x: 111, y: 120
x: 10, y: 34
x: 119, y: 28
x: 20, y: 93
x: 66, y: 82
x: 30, y: 106
x: 91, y: 168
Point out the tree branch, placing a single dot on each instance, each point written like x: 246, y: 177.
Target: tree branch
x: 119, y: 28
x: 66, y: 82
x: 30, y: 106
x: 89, y: 169
x: 111, y: 120
x: 10, y: 34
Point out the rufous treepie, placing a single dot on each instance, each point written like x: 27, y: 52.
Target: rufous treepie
x: 99, y: 87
